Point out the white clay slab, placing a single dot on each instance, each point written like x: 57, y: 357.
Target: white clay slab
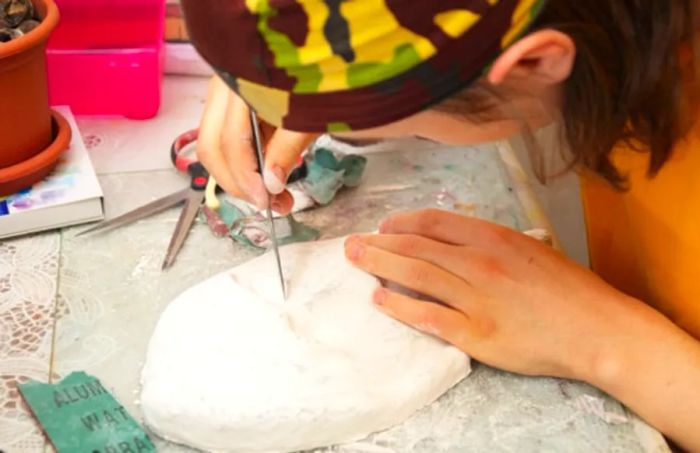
x: 232, y: 368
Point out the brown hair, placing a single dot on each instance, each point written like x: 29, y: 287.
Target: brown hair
x: 632, y: 80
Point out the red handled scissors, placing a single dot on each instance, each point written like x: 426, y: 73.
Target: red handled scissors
x: 193, y: 197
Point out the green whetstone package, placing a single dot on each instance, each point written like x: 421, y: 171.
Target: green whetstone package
x: 80, y: 416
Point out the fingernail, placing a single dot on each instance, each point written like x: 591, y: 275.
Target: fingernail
x: 355, y: 249
x: 275, y: 179
x: 380, y: 296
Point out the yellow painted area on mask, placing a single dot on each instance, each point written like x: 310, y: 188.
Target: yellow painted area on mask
x: 271, y: 104
x: 382, y: 47
x: 521, y: 19
x: 455, y: 22
x: 317, y: 50
x: 376, y: 34
x: 333, y: 74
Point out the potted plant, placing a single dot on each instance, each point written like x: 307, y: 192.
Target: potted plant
x: 32, y: 137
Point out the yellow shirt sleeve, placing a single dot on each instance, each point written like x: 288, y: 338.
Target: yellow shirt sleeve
x: 646, y: 242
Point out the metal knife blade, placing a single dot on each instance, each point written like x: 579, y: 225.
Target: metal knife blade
x: 257, y: 142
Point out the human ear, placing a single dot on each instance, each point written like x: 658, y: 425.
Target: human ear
x: 546, y: 55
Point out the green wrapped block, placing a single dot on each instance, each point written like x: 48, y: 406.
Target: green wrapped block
x: 353, y: 166
x: 327, y: 175
x: 325, y: 158
x: 322, y: 183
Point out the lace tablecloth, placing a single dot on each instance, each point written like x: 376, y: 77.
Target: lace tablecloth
x: 28, y: 284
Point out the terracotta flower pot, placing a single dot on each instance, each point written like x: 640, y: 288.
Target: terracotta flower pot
x: 26, y: 173
x: 25, y: 117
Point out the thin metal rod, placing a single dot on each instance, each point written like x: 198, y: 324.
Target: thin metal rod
x: 273, y: 232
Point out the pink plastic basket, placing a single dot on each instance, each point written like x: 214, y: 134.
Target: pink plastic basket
x: 106, y: 57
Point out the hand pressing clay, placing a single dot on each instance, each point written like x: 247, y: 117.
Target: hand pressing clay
x: 233, y: 368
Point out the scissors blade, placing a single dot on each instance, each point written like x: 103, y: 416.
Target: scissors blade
x: 184, y: 224
x: 146, y: 210
x: 273, y: 232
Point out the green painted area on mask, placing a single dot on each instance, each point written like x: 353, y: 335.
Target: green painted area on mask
x: 338, y: 127
x: 537, y: 9
x: 363, y: 74
x: 286, y: 54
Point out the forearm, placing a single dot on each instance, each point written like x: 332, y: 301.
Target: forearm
x: 654, y: 368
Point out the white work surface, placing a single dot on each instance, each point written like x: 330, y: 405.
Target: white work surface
x: 91, y: 303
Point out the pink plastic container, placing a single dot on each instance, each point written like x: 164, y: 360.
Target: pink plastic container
x: 106, y: 57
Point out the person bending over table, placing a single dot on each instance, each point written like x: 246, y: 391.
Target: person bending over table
x: 619, y: 77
